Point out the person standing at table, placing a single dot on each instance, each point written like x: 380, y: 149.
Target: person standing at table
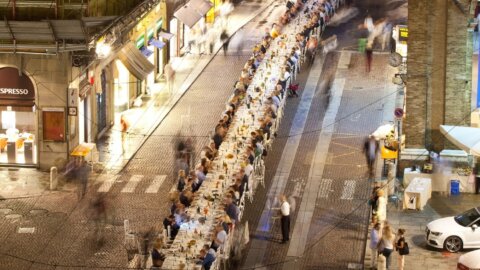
x: 285, y: 219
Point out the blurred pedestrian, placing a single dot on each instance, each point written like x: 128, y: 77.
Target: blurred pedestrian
x: 99, y: 216
x: 82, y: 173
x: 169, y: 76
x: 374, y: 239
x: 124, y: 126
x: 370, y: 149
x: 225, y: 41
x: 368, y: 57
x: 368, y: 23
x: 212, y: 38
x: 285, y: 219
x: 386, y: 35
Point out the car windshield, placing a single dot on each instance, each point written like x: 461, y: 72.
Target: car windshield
x: 468, y: 217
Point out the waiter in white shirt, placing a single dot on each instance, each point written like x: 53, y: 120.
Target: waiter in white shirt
x: 285, y: 220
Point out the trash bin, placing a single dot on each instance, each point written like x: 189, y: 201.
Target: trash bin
x: 454, y: 187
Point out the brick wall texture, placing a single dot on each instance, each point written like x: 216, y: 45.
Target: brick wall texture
x: 439, y: 71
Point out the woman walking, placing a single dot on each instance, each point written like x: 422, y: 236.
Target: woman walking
x: 386, y: 244
x: 400, y: 245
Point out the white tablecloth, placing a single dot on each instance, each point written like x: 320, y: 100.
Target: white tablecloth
x: 418, y: 192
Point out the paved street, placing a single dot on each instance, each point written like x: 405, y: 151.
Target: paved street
x: 316, y: 160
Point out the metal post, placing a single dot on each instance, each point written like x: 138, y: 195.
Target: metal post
x: 53, y: 178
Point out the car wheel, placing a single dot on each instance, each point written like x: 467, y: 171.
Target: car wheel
x: 453, y: 244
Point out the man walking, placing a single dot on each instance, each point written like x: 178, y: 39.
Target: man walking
x: 82, y: 172
x: 370, y: 148
x: 285, y: 219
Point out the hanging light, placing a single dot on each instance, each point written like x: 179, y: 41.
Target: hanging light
x: 103, y: 49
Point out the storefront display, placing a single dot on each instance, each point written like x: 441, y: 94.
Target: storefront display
x: 17, y: 114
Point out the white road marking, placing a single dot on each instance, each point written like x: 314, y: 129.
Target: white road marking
x: 107, y: 183
x: 132, y: 183
x: 325, y: 186
x: 348, y: 189
x: 156, y: 184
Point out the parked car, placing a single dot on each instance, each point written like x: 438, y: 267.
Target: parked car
x: 469, y: 261
x: 455, y: 233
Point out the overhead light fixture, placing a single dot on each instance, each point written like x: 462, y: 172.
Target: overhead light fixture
x: 103, y: 49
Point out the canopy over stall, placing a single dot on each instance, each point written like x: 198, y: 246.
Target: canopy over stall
x: 465, y: 138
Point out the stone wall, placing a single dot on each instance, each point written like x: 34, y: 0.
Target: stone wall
x: 50, y: 75
x: 439, y: 72
x: 415, y: 118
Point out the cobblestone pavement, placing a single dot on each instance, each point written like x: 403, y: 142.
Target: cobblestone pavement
x: 340, y: 214
x: 421, y: 255
x: 57, y: 231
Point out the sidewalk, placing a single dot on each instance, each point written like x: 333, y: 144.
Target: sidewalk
x: 15, y: 183
x: 422, y: 256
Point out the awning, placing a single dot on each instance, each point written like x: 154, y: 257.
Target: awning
x: 465, y: 138
x: 193, y: 11
x: 157, y: 43
x: 165, y: 35
x: 135, y: 61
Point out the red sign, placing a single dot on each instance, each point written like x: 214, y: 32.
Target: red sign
x: 15, y: 88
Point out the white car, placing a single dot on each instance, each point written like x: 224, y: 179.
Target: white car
x: 469, y: 261
x: 455, y: 233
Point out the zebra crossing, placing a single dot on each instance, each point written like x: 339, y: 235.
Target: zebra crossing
x: 348, y: 188
x: 136, y: 183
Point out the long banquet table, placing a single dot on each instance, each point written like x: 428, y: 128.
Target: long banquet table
x: 207, y: 205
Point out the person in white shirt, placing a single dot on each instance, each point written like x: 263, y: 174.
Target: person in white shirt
x: 219, y: 237
x: 285, y: 219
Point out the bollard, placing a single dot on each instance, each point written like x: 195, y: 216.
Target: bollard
x: 53, y: 178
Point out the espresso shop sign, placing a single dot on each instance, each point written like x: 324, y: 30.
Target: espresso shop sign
x: 15, y: 86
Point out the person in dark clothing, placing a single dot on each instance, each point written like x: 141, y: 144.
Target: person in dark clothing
x: 174, y: 227
x: 369, y: 57
x: 232, y: 210
x: 217, y: 139
x: 81, y: 173
x: 370, y: 149
x: 207, y: 257
x: 285, y: 219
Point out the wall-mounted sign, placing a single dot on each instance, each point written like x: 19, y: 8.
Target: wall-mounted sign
x: 72, y: 111
x: 72, y: 97
x: 15, y: 88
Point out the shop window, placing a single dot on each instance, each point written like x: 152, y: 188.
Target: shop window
x: 17, y: 139
x: 8, y: 119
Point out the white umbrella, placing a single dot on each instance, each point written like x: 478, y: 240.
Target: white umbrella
x: 382, y: 131
x: 465, y: 138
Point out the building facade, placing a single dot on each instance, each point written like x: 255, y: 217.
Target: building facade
x: 439, y: 64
